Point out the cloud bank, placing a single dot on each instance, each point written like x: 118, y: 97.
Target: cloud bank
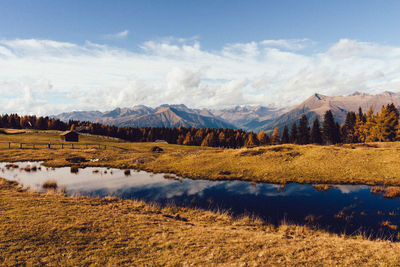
x: 47, y: 77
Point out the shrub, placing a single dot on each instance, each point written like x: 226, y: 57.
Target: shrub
x: 74, y: 169
x: 51, y: 184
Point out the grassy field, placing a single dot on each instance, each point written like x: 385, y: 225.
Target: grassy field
x: 52, y: 229
x: 373, y: 163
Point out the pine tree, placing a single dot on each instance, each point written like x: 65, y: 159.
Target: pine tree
x: 329, y: 129
x: 361, y: 115
x: 293, y: 133
x: 316, y: 136
x: 348, y: 128
x: 303, y: 131
x: 285, y: 135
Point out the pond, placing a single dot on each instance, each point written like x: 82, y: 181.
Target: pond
x: 349, y: 209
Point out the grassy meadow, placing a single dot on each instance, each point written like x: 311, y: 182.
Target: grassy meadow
x: 371, y: 163
x: 53, y: 229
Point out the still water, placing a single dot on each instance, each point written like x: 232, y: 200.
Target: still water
x: 349, y: 209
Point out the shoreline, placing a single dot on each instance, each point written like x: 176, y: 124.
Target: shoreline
x: 372, y: 164
x: 41, y: 228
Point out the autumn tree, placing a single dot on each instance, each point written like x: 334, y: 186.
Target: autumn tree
x: 262, y: 138
x: 251, y: 140
x: 275, y: 137
x: 210, y: 140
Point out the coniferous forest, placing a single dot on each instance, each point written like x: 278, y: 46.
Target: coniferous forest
x: 358, y: 127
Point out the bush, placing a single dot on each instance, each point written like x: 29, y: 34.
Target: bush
x: 51, y: 184
x: 74, y: 169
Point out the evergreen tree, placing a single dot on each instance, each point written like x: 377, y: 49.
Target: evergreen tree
x: 316, y: 136
x: 293, y: 133
x: 348, y: 128
x: 361, y: 115
x: 303, y: 135
x: 329, y: 129
x: 285, y: 135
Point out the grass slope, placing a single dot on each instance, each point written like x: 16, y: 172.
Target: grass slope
x: 374, y: 164
x: 51, y: 229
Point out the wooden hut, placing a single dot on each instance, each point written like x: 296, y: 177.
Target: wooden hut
x: 69, y: 136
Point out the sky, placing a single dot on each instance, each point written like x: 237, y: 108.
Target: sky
x: 58, y: 56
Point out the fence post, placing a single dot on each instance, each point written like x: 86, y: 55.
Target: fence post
x: 48, y: 145
x: 20, y: 145
x: 72, y: 146
x: 62, y: 146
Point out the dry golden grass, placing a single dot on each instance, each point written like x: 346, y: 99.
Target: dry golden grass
x: 51, y: 229
x: 373, y: 164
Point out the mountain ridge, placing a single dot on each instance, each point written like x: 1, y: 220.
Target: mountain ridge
x: 251, y: 118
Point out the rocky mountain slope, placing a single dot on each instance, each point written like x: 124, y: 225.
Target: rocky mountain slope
x: 252, y: 118
x: 317, y: 105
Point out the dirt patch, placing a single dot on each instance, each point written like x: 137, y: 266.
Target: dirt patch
x: 76, y: 159
x: 143, y: 160
x: 156, y: 149
x: 293, y: 154
x: 280, y: 148
x: 252, y: 152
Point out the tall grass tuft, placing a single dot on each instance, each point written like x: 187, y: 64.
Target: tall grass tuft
x: 50, y: 185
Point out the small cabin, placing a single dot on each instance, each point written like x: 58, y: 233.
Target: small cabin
x: 69, y: 136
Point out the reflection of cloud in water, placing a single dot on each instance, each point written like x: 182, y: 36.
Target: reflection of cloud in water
x: 269, y: 190
x: 346, y: 189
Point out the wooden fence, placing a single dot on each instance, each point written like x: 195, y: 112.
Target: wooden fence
x: 19, y: 145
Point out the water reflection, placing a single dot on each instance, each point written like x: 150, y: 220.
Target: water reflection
x: 342, y: 208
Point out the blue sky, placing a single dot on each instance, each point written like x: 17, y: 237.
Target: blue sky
x: 68, y: 55
x: 215, y: 23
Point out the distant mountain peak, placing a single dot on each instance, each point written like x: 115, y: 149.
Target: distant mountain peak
x: 358, y: 93
x: 388, y: 93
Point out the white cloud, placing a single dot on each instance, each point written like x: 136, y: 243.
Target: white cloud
x: 47, y: 77
x: 118, y: 35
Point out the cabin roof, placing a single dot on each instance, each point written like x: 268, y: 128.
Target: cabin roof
x: 67, y: 133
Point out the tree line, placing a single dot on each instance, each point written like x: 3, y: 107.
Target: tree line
x: 358, y: 127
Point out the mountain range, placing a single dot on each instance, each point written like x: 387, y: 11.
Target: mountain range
x: 251, y: 118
